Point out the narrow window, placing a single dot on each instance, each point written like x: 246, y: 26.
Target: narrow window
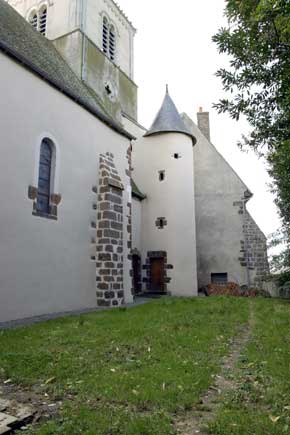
x: 33, y: 20
x: 44, y: 177
x: 42, y: 21
x: 105, y: 35
x: 161, y: 175
x: 112, y: 43
x: 219, y: 278
x: 177, y: 156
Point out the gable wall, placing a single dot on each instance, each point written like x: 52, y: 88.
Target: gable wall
x: 219, y: 225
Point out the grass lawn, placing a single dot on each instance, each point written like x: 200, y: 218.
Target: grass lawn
x: 261, y: 403
x: 130, y: 372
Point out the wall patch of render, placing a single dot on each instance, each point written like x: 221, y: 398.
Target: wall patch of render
x: 109, y: 246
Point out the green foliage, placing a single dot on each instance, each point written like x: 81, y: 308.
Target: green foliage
x: 257, y: 40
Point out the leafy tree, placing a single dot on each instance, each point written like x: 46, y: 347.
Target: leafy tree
x: 257, y: 39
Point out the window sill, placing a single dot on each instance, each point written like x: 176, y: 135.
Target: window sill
x: 44, y: 215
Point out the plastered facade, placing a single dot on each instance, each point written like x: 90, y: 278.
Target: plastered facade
x: 170, y: 199
x: 48, y: 266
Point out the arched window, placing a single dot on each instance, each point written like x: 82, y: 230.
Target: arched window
x: 42, y: 21
x: 44, y: 177
x: 109, y: 39
x: 33, y: 19
x: 105, y: 35
x: 112, y: 43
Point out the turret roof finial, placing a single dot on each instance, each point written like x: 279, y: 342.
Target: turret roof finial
x: 168, y: 120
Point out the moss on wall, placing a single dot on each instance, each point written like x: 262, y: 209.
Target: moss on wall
x: 116, y: 91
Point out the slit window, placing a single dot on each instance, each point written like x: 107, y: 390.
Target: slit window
x: 44, y: 177
x: 161, y: 223
x: 161, y: 175
x: 219, y: 278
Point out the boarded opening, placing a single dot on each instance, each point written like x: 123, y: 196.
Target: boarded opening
x: 219, y: 278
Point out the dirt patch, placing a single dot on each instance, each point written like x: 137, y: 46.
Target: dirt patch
x: 20, y: 407
x: 196, y: 421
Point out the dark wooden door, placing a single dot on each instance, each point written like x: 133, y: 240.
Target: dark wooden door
x: 136, y: 265
x: 157, y: 274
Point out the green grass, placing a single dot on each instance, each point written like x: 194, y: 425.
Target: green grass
x: 261, y: 404
x: 125, y: 372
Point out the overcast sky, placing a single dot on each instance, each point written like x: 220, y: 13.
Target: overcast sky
x: 173, y: 45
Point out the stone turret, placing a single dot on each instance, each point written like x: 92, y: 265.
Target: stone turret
x: 164, y: 170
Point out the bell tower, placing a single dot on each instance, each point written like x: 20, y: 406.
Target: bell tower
x: 97, y: 40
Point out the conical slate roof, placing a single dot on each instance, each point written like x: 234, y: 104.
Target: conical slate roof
x: 168, y: 120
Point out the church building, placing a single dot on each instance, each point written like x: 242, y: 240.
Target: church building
x: 96, y: 209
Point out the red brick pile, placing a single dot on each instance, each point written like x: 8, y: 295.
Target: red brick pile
x: 233, y: 289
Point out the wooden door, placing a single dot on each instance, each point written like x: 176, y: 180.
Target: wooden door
x: 157, y: 274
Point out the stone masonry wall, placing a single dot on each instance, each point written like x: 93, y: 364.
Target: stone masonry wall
x: 129, y: 215
x: 255, y: 250
x: 109, y: 246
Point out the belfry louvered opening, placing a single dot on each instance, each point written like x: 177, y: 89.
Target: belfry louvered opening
x: 112, y: 43
x: 43, y: 21
x: 38, y: 19
x: 33, y: 19
x: 105, y: 35
x: 109, y: 39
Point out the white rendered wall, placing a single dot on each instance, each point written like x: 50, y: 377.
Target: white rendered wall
x: 172, y: 199
x: 219, y: 226
x: 45, y: 265
x: 133, y: 127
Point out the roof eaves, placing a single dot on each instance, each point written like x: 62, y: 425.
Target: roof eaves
x: 42, y: 74
x: 155, y: 133
x: 136, y: 192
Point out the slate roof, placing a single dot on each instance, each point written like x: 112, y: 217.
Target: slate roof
x: 168, y: 120
x: 23, y: 43
x: 136, y: 192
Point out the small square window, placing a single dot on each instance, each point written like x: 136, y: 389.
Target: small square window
x: 177, y: 156
x: 219, y: 278
x: 161, y: 223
